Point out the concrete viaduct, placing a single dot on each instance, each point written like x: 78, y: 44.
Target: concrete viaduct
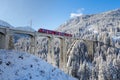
x: 7, y: 32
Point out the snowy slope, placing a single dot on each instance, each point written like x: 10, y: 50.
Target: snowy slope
x: 95, y: 23
x: 26, y: 28
x: 22, y: 66
x: 4, y: 24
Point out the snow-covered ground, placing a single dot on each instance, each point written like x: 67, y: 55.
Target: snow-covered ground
x: 23, y: 66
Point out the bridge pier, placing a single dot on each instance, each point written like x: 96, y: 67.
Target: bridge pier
x: 63, y: 58
x: 33, y: 43
x: 50, y: 56
x: 7, y: 38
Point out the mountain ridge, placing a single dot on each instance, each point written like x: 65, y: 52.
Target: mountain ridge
x: 101, y: 20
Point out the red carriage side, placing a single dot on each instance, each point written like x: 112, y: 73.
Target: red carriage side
x: 54, y: 32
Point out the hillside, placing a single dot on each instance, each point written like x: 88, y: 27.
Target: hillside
x: 4, y: 24
x: 23, y: 66
x: 93, y: 24
x: 102, y: 64
x: 7, y: 25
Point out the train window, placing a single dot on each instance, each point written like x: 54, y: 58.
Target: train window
x: 45, y: 31
x: 62, y: 34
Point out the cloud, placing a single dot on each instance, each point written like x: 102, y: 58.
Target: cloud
x: 75, y: 15
x: 78, y: 13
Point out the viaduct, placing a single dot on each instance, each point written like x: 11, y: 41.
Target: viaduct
x: 7, y: 32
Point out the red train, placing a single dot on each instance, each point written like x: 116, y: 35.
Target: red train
x: 54, y: 32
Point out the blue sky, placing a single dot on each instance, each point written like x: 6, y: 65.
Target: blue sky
x: 50, y: 14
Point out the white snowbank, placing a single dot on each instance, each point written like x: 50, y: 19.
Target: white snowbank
x: 23, y: 66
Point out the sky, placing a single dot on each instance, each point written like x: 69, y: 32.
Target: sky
x: 50, y: 14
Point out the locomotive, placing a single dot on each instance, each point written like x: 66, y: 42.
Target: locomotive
x: 54, y: 32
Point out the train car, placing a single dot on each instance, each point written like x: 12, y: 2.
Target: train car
x: 57, y: 33
x: 49, y: 32
x: 54, y: 32
x: 61, y: 34
x: 70, y: 35
x: 42, y: 30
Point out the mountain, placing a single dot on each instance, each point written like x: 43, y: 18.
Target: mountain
x: 25, y: 28
x: 23, y: 66
x: 93, y: 24
x: 5, y: 24
x: 104, y: 63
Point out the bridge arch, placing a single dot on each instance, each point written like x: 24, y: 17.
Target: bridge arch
x: 24, y: 42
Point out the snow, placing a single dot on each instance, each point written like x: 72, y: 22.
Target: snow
x: 23, y: 66
x: 25, y: 28
x: 5, y: 24
x: 115, y: 38
x: 96, y: 32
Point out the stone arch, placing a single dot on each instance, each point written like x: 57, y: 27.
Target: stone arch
x: 23, y: 42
